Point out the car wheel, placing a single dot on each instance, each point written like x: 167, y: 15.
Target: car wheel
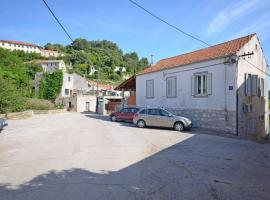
x: 141, y: 123
x: 179, y: 126
x: 113, y: 118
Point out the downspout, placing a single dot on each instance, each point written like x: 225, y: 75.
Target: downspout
x: 236, y: 69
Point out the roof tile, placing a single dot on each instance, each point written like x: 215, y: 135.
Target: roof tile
x: 216, y: 51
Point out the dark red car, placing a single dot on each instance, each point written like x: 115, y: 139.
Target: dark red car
x: 125, y: 114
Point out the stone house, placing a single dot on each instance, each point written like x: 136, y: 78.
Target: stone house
x: 223, y: 87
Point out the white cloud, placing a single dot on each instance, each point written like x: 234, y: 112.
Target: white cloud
x: 229, y: 14
x: 260, y: 26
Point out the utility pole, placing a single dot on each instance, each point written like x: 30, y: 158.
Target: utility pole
x: 97, y: 93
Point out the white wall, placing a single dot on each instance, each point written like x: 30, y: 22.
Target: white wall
x: 81, y: 103
x: 259, y: 104
x: 25, y: 48
x: 223, y: 76
x: 51, y: 66
x: 67, y: 84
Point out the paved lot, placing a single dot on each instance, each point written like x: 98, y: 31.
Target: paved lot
x: 80, y: 156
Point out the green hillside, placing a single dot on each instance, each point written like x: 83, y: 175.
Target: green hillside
x: 104, y: 55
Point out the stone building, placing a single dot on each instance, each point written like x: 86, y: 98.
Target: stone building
x: 223, y: 87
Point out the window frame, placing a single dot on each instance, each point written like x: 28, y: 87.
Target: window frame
x: 173, y: 90
x: 152, y: 94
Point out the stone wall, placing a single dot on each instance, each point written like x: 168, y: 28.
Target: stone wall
x: 37, y: 112
x: 218, y: 120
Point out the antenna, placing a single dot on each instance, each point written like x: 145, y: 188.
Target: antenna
x: 152, y: 59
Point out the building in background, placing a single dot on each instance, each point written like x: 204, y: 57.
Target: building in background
x: 50, y: 65
x: 49, y: 53
x: 217, y: 87
x: 28, y: 48
x: 17, y: 45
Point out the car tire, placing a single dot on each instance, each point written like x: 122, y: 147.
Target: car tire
x: 141, y: 123
x: 179, y: 126
x: 113, y: 118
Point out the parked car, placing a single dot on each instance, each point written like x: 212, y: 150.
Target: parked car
x: 3, y: 123
x: 159, y: 117
x: 125, y: 114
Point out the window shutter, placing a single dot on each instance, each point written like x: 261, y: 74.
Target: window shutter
x: 259, y: 87
x: 193, y: 79
x: 262, y: 87
x: 209, y: 84
x: 248, y: 84
x: 254, y: 87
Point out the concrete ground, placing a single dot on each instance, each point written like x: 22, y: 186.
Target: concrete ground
x: 83, y: 156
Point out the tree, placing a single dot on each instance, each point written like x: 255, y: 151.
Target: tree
x: 10, y: 98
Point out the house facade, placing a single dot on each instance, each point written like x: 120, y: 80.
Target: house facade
x: 50, y: 65
x: 28, y: 48
x: 218, y: 87
x: 16, y: 45
x: 49, y: 53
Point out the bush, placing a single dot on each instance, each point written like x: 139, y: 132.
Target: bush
x: 39, y: 104
x: 51, y: 85
x: 59, y: 106
x: 11, y: 99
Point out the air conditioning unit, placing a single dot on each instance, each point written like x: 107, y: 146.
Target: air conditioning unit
x: 247, y: 108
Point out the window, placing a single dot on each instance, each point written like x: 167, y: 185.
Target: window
x: 124, y: 110
x: 66, y: 91
x: 143, y: 112
x: 252, y: 85
x: 150, y: 88
x: 69, y: 79
x: 153, y: 111
x: 201, y: 84
x: 164, y: 113
x: 171, y: 86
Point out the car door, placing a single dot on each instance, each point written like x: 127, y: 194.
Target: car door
x: 152, y: 118
x: 122, y: 114
x: 164, y: 119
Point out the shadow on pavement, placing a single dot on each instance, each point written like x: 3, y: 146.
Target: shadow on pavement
x: 201, y: 167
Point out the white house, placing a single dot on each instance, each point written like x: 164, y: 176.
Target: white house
x: 223, y: 87
x: 49, y: 53
x: 16, y: 45
x: 28, y: 48
x: 119, y: 69
x: 50, y: 65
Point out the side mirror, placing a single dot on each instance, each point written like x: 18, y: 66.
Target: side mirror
x: 170, y: 115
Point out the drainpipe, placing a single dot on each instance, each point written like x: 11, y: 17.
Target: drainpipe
x: 237, y: 91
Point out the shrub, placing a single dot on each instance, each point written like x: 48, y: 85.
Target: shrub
x: 59, y: 106
x: 50, y: 85
x: 11, y: 99
x: 39, y: 104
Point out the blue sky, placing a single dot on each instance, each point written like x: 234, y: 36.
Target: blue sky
x: 132, y: 29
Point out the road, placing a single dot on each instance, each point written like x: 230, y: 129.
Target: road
x: 85, y: 156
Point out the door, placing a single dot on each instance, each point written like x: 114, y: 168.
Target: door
x: 87, y: 106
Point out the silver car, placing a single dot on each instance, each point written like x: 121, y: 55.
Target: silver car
x: 160, y: 118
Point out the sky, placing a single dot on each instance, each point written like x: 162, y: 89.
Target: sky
x: 213, y: 21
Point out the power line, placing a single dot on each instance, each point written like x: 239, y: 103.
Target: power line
x: 169, y: 24
x: 184, y: 32
x: 58, y: 21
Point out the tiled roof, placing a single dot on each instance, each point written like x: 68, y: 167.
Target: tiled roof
x: 46, y: 50
x: 101, y: 85
x: 44, y: 61
x: 19, y: 43
x: 213, y: 52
